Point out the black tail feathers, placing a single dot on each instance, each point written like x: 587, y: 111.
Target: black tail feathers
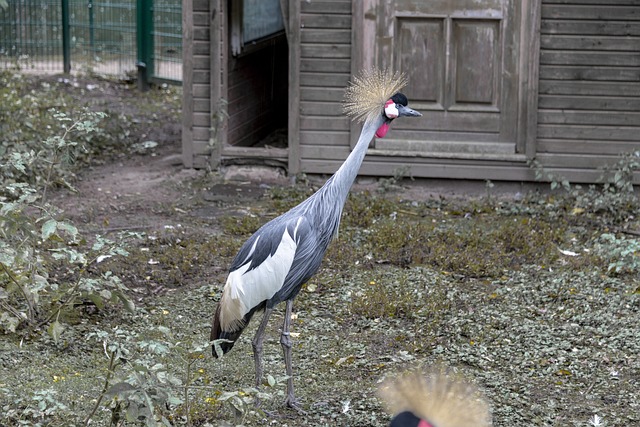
x: 218, y: 334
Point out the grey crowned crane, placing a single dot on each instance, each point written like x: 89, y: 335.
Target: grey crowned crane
x: 433, y: 399
x: 283, y: 254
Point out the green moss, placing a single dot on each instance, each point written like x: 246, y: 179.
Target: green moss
x: 244, y: 225
x: 363, y: 209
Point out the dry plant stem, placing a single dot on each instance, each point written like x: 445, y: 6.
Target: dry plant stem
x: 10, y: 309
x: 72, y: 291
x: 187, y: 385
x: 25, y: 294
x: 52, y: 163
x: 112, y: 363
x: 56, y: 312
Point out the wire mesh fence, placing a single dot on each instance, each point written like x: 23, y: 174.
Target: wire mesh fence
x: 102, y: 36
x: 167, y: 39
x: 31, y: 29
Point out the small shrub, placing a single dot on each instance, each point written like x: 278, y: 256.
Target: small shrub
x: 384, y: 300
x: 614, y: 201
x: 35, y: 237
x: 363, y: 208
x: 244, y: 225
x: 622, y: 254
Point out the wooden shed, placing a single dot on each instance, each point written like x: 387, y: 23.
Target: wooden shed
x: 499, y: 82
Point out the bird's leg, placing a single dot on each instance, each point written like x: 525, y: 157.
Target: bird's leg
x: 285, y: 340
x: 258, y: 339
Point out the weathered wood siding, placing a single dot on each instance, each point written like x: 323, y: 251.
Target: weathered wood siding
x: 325, y: 69
x: 585, y: 88
x: 197, y: 83
x: 589, y: 91
x: 256, y: 105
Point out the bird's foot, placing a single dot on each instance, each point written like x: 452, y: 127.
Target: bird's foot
x: 293, y: 403
x: 258, y: 404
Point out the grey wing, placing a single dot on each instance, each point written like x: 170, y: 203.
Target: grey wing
x: 307, y: 259
x: 262, y: 244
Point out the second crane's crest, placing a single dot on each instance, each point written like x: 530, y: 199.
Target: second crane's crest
x: 366, y: 95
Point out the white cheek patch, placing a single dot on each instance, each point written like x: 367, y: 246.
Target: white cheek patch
x: 390, y: 110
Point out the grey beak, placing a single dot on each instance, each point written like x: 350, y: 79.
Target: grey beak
x: 407, y: 112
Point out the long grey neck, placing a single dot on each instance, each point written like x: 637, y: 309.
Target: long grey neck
x: 346, y: 175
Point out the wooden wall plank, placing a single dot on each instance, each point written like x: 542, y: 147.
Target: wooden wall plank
x: 201, y: 105
x: 555, y: 87
x: 583, y: 11
x: 201, y: 62
x: 200, y: 19
x: 325, y: 66
x: 579, y: 147
x: 202, y: 119
x: 329, y: 51
x: 218, y: 87
x: 325, y: 123
x: 334, y: 80
x: 201, y: 48
x: 326, y: 21
x: 577, y: 102
x: 201, y: 77
x: 569, y: 57
x: 582, y: 42
x: 201, y: 135
x: 584, y: 161
x: 326, y: 7
x: 201, y: 90
x: 187, y: 83
x: 293, y: 126
x: 201, y: 33
x: 595, y: 118
x: 324, y: 35
x: 319, y: 108
x: 340, y: 138
x: 199, y: 5
x: 322, y: 94
x: 324, y: 71
x: 595, y: 2
x: 590, y: 27
x: 584, y: 72
x: 590, y: 132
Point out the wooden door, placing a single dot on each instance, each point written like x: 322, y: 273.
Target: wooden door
x: 465, y: 69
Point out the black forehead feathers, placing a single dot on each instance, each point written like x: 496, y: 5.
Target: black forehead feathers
x: 400, y: 98
x: 406, y: 418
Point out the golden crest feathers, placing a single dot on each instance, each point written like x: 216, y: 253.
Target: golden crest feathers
x: 437, y: 398
x: 367, y: 93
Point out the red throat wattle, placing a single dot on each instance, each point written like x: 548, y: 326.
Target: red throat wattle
x: 391, y: 112
x: 382, y: 130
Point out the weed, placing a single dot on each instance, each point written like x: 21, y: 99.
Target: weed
x: 387, y: 184
x: 284, y: 198
x: 622, y: 254
x: 34, y: 237
x: 244, y: 225
x: 363, y: 209
x: 614, y: 201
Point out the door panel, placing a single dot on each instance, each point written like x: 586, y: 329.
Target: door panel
x: 475, y: 62
x: 462, y: 58
x: 421, y: 41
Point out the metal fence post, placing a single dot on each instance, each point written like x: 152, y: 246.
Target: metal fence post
x: 144, y: 35
x: 92, y: 36
x: 66, y: 38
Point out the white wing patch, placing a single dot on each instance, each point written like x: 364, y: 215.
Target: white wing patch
x: 246, y: 289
